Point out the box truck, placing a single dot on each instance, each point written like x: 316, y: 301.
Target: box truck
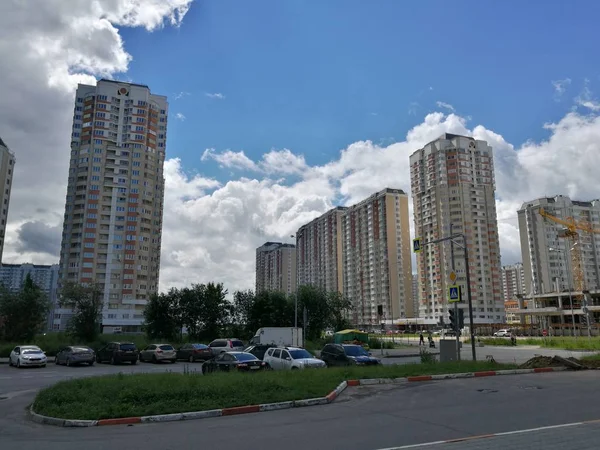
x: 280, y: 336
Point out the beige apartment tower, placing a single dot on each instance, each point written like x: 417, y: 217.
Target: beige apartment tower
x: 7, y: 167
x: 276, y: 267
x: 376, y: 249
x: 114, y: 205
x: 319, y: 251
x: 452, y: 182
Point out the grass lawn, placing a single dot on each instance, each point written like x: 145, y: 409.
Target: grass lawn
x: 122, y: 395
x: 566, y: 343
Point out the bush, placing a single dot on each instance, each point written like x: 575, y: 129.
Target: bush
x: 376, y: 343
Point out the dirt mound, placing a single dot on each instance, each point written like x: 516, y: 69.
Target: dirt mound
x: 538, y: 362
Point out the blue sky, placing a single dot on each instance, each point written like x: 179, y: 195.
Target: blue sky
x: 317, y: 76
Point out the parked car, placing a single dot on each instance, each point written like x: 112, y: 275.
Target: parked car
x: 219, y: 346
x: 194, y: 352
x: 76, y: 354
x: 118, y: 352
x: 291, y: 358
x: 503, y: 333
x: 259, y: 350
x: 158, y: 352
x: 230, y: 361
x: 27, y: 356
x: 346, y: 355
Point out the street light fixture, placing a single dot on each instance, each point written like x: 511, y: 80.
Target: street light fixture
x: 558, y: 250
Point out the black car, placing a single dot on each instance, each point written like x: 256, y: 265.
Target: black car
x: 118, y: 352
x: 194, y: 352
x: 259, y: 350
x: 346, y: 355
x: 231, y: 361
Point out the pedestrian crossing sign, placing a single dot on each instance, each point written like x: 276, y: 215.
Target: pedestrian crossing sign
x: 453, y: 293
x: 417, y: 245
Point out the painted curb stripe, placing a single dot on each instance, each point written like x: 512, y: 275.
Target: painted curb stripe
x: 301, y: 403
x: 240, y: 410
x: 121, y: 421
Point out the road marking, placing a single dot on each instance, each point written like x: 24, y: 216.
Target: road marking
x: 487, y: 436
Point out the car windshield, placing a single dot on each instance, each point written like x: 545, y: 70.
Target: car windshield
x: 82, y: 349
x: 237, y: 344
x: 166, y: 347
x: 199, y: 346
x: 31, y: 351
x: 127, y: 347
x: 245, y: 357
x: 355, y: 350
x: 300, y: 354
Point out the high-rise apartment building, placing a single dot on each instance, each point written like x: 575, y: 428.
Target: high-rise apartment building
x: 319, y: 251
x: 547, y: 255
x: 12, y: 277
x: 513, y: 281
x: 7, y: 167
x: 452, y: 181
x: 276, y: 267
x: 415, y: 294
x: 114, y: 205
x: 376, y: 254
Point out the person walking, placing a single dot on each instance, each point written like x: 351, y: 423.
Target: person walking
x: 421, y: 338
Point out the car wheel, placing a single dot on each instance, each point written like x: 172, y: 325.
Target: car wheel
x: 43, y: 365
x: 91, y: 363
x: 191, y: 359
x: 173, y: 361
x: 134, y: 362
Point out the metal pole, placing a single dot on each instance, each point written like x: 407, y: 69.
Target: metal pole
x: 569, y: 280
x: 457, y: 326
x: 472, y: 329
x: 297, y: 284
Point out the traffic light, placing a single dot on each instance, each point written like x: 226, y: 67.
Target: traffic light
x: 452, y: 319
x: 461, y: 319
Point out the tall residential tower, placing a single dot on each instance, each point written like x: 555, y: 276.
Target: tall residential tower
x: 452, y: 180
x: 7, y: 167
x: 276, y: 267
x: 114, y: 205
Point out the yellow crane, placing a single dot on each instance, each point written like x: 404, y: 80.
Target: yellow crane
x: 572, y: 232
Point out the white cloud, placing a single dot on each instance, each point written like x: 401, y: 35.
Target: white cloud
x: 445, y: 105
x: 211, y: 228
x: 180, y: 116
x: 586, y: 99
x: 180, y: 95
x: 216, y: 95
x: 560, y: 86
x: 413, y: 108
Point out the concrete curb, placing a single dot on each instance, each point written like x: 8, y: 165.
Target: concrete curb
x: 281, y: 405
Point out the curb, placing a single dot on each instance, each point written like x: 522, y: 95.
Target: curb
x: 234, y: 411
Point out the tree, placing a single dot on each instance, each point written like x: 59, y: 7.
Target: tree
x: 325, y: 310
x: 271, y: 309
x: 23, y: 313
x: 339, y: 311
x: 161, y: 316
x: 86, y: 302
x: 215, y: 311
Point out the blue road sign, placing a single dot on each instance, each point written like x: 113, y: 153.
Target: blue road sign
x: 453, y: 293
x: 417, y: 245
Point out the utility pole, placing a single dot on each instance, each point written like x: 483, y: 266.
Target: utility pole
x: 457, y: 324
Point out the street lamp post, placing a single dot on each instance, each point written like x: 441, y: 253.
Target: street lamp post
x: 453, y: 238
x: 557, y: 250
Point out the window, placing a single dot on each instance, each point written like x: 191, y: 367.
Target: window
x: 95, y: 178
x: 135, y: 173
x: 134, y: 181
x: 88, y: 245
x: 101, y: 106
x: 96, y: 169
x: 94, y: 187
x: 134, y: 190
x: 120, y: 208
x: 102, y: 97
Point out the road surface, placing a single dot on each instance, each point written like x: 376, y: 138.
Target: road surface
x: 363, y: 418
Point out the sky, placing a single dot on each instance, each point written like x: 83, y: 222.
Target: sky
x: 282, y: 109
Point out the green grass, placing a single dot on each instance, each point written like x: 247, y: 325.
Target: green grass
x: 564, y: 343
x: 122, y: 395
x: 594, y: 357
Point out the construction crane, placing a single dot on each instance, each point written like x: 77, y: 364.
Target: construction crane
x: 572, y: 232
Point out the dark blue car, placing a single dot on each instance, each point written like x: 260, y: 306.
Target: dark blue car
x: 346, y: 355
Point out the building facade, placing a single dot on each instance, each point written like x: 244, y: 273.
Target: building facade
x: 547, y: 255
x: 276, y: 267
x: 453, y: 186
x: 415, y: 294
x: 12, y: 277
x: 7, y: 167
x: 513, y: 281
x: 114, y: 205
x: 319, y: 251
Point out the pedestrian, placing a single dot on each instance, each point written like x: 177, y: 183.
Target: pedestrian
x: 421, y: 338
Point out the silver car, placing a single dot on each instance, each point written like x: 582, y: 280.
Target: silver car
x: 219, y: 346
x: 76, y: 354
x: 158, y: 352
x: 27, y: 356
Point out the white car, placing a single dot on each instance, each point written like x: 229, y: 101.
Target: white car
x: 503, y: 333
x: 27, y: 356
x: 291, y: 358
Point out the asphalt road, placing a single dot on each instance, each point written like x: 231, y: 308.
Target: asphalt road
x: 364, y: 418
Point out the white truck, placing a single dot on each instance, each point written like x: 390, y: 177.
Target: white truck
x: 280, y: 336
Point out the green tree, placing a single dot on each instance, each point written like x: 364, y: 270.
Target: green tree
x: 216, y: 311
x: 339, y: 311
x: 86, y: 302
x: 324, y: 310
x: 242, y: 305
x: 270, y: 309
x: 191, y: 304
x: 161, y: 316
x: 23, y: 313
